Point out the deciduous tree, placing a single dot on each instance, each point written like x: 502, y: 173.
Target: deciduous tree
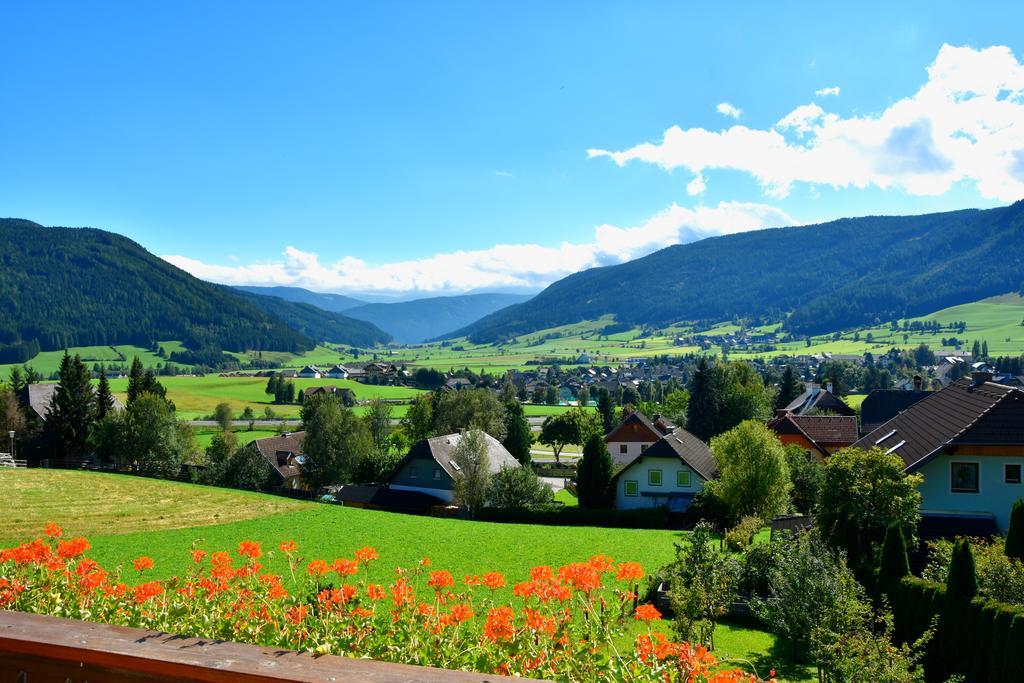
x: 753, y: 477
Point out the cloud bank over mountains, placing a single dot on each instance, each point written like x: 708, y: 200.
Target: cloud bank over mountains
x: 965, y: 125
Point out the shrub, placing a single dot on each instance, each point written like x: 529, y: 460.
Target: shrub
x: 894, y: 564
x: 518, y: 487
x: 962, y: 582
x: 1015, y: 533
x: 999, y: 577
x: 740, y: 536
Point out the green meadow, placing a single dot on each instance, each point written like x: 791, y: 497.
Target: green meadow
x: 166, y: 520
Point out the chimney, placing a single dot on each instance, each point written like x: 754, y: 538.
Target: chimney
x: 979, y: 377
x: 918, y: 383
x: 828, y: 387
x: 781, y: 412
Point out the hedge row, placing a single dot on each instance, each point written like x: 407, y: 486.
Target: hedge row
x: 559, y: 515
x: 982, y: 640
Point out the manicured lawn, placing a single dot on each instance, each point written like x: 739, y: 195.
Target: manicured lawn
x: 566, y: 498
x: 94, y: 503
x: 204, y: 435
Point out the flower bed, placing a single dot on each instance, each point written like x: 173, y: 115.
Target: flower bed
x: 562, y: 623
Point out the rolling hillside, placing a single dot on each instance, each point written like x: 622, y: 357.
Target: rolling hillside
x: 68, y: 287
x: 337, y: 303
x: 824, y: 277
x: 318, y: 323
x: 411, y: 322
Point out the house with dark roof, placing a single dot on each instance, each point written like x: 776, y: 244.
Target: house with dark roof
x: 967, y: 441
x: 819, y: 399
x: 346, y: 395
x: 822, y: 435
x: 337, y: 372
x: 668, y: 473
x: 310, y: 372
x: 635, y: 433
x: 429, y: 466
x: 36, y: 399
x: 284, y: 453
x: 881, y: 405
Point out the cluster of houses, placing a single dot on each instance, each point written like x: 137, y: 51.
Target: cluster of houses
x: 376, y: 372
x: 966, y: 440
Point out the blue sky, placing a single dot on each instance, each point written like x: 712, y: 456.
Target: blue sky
x: 441, y: 147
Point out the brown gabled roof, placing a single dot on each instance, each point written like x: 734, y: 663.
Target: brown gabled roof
x: 281, y: 451
x: 638, y: 417
x: 965, y: 412
x: 828, y: 429
x: 683, y: 445
x: 819, y: 399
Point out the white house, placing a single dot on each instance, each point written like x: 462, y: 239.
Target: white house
x: 669, y: 473
x: 310, y: 372
x: 967, y: 441
x: 338, y: 372
x: 635, y: 433
x: 429, y: 468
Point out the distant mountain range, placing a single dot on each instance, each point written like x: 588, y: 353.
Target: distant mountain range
x: 339, y: 303
x: 65, y: 287
x: 817, y: 279
x: 409, y: 322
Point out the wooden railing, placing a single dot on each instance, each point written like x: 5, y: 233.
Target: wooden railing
x: 40, y: 649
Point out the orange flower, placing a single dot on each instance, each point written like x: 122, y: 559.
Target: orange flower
x: 296, y: 614
x: 461, y: 612
x: 317, y: 568
x: 581, y: 576
x: 441, y: 579
x: 198, y: 555
x: 250, y: 549
x: 499, y: 626
x: 402, y: 593
x: 539, y: 622
x: 542, y: 573
x: 375, y: 592
x: 494, y: 580
x: 287, y: 547
x: 53, y: 531
x: 471, y: 580
x: 221, y: 559
x: 145, y: 591
x: 524, y: 589
x: 601, y: 563
x: 345, y: 567
x: 647, y: 613
x: 72, y: 548
x: 366, y: 554
x: 425, y: 562
x: 629, y: 571
x: 143, y: 563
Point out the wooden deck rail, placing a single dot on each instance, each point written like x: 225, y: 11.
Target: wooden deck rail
x: 41, y: 649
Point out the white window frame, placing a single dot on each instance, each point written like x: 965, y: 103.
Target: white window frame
x: 625, y: 488
x: 661, y: 478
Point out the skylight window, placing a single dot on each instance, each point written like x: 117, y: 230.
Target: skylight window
x: 455, y: 465
x: 895, y: 447
x: 885, y: 437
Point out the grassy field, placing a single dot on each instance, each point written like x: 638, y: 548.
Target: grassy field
x: 196, y: 397
x: 47, y: 362
x: 92, y: 503
x: 125, y: 517
x: 204, y: 435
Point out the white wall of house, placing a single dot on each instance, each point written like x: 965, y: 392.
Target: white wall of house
x: 657, y: 496
x: 995, y: 495
x: 623, y: 451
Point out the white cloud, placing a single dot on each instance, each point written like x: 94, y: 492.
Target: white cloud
x: 505, y: 174
x: 504, y: 265
x: 726, y: 109
x: 966, y: 123
x: 696, y: 186
x: 824, y: 92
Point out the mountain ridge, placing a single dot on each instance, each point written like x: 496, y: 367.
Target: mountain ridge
x: 817, y: 278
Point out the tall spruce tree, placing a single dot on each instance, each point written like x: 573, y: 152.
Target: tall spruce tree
x: 104, y: 397
x: 136, y: 380
x: 894, y: 564
x: 606, y: 407
x: 1014, y: 547
x: 518, y: 438
x: 72, y: 411
x: 594, y: 474
x: 703, y: 409
x: 789, y: 388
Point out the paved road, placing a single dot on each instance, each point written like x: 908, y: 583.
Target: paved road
x: 534, y: 423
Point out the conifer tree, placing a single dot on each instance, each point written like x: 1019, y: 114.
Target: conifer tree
x: 594, y: 474
x: 789, y: 388
x: 962, y: 582
x: 104, y: 397
x: 894, y: 562
x: 136, y: 379
x: 1014, y: 547
x: 518, y: 438
x: 606, y: 407
x: 72, y: 411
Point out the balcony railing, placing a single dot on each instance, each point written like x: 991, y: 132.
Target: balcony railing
x: 40, y: 649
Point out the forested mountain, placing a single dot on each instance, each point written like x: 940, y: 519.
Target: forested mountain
x: 317, y: 323
x: 338, y: 303
x: 415, y: 321
x: 62, y: 287
x: 823, y: 277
